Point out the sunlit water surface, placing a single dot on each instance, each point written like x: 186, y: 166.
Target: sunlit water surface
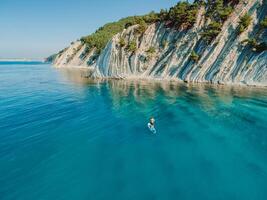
x: 62, y: 137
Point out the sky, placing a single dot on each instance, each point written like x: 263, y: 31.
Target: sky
x: 39, y: 28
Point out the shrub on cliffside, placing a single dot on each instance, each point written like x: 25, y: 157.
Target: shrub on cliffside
x: 244, y: 23
x: 122, y: 42
x: 255, y: 45
x: 132, y: 47
x: 141, y: 28
x: 263, y: 23
x: 152, y: 17
x: 225, y: 12
x: 183, y: 14
x: 211, y: 31
x: 163, y: 15
x: 194, y: 56
x: 151, y: 50
x: 217, y: 11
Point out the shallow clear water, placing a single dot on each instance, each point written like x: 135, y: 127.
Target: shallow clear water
x: 64, y: 138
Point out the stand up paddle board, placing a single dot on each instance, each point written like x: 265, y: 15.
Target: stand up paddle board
x: 151, y: 128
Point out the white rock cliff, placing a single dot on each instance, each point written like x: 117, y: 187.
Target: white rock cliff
x: 225, y: 61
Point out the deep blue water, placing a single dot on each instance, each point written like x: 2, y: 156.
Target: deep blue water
x: 62, y: 137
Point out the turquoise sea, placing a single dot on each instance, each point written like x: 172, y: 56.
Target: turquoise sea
x: 66, y: 138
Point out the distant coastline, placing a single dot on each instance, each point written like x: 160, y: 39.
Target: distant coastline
x: 20, y: 60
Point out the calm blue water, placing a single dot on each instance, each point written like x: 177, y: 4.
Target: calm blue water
x: 64, y: 138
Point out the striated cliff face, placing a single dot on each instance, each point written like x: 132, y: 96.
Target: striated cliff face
x: 165, y: 53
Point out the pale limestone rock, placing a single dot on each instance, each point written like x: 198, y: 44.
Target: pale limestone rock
x: 224, y: 61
